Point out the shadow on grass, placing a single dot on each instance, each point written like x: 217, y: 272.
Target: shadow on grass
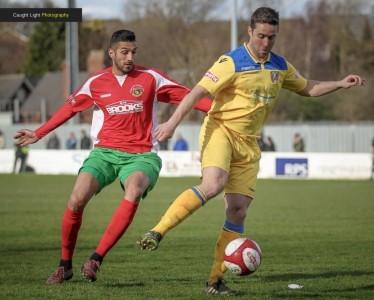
x: 332, y: 293
x: 362, y: 288
x: 303, y: 293
x: 28, y: 248
x: 120, y: 285
x: 295, y: 276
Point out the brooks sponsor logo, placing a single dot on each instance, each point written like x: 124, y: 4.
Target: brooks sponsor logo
x: 125, y: 107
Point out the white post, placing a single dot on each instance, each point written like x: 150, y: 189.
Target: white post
x: 43, y: 111
x: 16, y: 110
x: 72, y: 61
x: 234, y: 24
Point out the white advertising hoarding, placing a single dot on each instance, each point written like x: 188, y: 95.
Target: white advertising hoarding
x: 187, y: 163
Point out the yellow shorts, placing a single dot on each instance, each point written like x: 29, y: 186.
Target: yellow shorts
x: 238, y: 155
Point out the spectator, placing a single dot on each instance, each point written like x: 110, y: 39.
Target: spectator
x: 261, y: 142
x: 269, y: 144
x: 164, y: 145
x: 2, y: 140
x: 372, y: 154
x: 53, y: 141
x: 21, y: 153
x: 298, y: 143
x: 180, y: 144
x: 71, y: 142
x: 85, y: 140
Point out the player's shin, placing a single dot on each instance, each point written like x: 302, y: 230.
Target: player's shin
x: 118, y: 225
x: 183, y: 206
x: 228, y: 233
x: 71, y: 223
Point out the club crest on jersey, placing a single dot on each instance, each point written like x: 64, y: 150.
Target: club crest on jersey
x: 124, y: 107
x: 137, y: 90
x: 274, y: 75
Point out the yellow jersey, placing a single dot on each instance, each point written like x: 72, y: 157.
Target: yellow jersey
x: 246, y: 90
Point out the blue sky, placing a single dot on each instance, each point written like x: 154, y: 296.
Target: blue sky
x: 106, y: 9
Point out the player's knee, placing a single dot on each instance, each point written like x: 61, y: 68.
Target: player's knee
x: 214, y: 189
x: 134, y: 193
x: 237, y: 213
x: 77, y: 202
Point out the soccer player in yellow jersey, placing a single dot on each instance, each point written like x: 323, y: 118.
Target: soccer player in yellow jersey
x: 245, y: 83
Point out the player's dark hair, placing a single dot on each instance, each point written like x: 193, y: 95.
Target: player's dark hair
x: 122, y: 35
x: 264, y: 15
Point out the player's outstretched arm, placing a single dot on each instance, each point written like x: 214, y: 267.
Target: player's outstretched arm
x: 25, y: 137
x: 319, y: 88
x: 166, y: 130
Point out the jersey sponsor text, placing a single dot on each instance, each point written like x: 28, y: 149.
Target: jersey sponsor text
x: 125, y: 107
x: 211, y: 76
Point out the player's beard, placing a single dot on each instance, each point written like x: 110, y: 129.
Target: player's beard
x: 124, y: 68
x: 263, y: 54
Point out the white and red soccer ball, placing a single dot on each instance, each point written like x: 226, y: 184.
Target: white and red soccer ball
x: 242, y: 256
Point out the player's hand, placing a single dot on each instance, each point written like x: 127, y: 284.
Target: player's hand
x: 25, y: 137
x: 352, y: 80
x: 164, y: 131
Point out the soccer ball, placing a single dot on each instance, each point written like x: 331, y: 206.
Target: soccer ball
x: 242, y: 256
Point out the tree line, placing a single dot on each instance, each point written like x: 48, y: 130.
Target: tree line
x: 331, y: 39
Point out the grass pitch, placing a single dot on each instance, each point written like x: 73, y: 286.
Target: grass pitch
x: 318, y: 234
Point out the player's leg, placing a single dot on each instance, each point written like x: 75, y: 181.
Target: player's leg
x: 23, y: 163
x: 239, y: 192
x: 233, y: 228
x: 136, y: 184
x: 138, y: 175
x: 85, y: 187
x: 185, y: 205
x: 15, y: 164
x: 215, y: 157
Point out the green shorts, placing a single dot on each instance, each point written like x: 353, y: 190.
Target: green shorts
x: 108, y: 164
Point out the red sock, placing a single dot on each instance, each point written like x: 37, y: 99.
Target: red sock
x: 118, y: 225
x: 71, y: 222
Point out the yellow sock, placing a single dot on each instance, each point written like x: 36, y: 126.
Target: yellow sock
x: 219, y: 268
x: 182, y: 207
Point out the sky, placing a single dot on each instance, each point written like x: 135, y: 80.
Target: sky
x: 108, y: 9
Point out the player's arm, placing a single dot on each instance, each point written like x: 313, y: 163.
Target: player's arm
x: 79, y: 101
x: 166, y: 130
x: 204, y: 104
x: 26, y: 136
x: 173, y: 94
x: 318, y: 88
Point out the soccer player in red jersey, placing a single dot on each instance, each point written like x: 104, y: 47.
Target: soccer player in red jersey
x: 125, y: 98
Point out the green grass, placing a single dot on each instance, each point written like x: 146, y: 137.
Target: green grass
x: 318, y: 234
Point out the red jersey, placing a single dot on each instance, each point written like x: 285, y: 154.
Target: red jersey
x: 125, y: 108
